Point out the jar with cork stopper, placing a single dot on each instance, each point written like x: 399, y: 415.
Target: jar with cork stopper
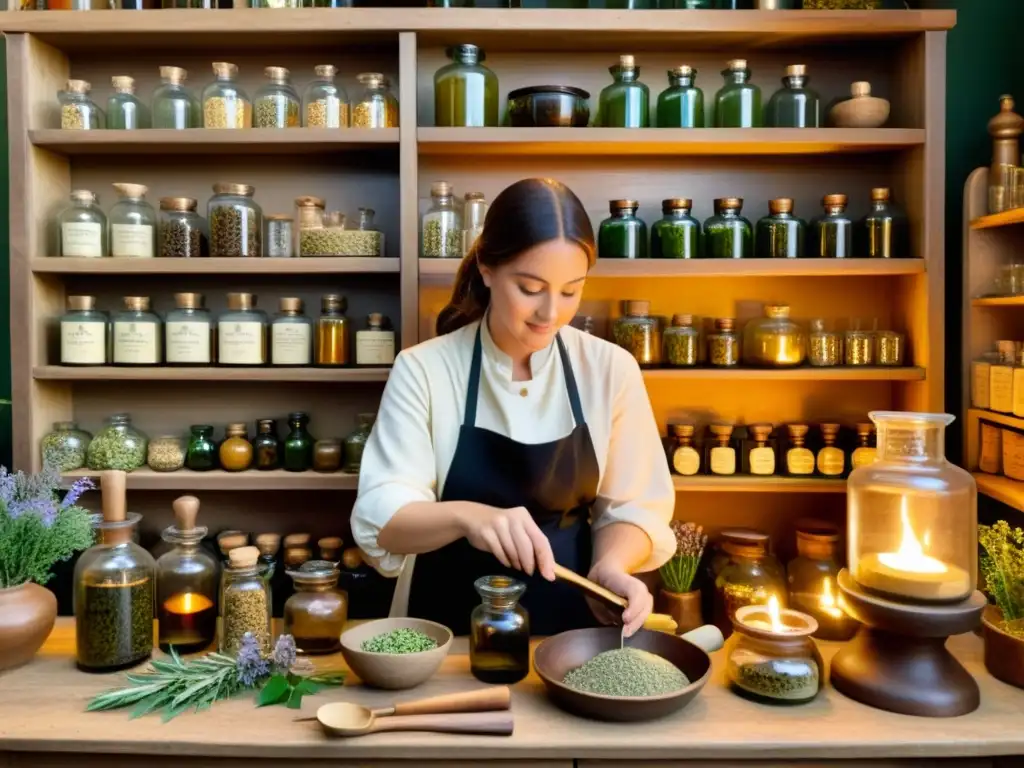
x: 722, y: 456
x: 441, y: 226
x: 83, y: 333
x: 114, y: 588
x: 182, y: 229
x: 291, y: 334
x: 236, y: 221
x: 235, y: 451
x: 316, y: 613
x: 465, y: 90
x: 124, y: 109
x: 724, y: 344
x: 831, y: 459
x: 375, y: 344
x: 682, y: 342
x: 225, y: 103
x: 681, y: 105
x: 884, y: 232
x: 831, y: 234
x: 626, y: 102
x: 623, y: 235
x: 865, y: 453
x: 761, y: 456
x: 795, y: 105
x: 780, y: 234
x: 266, y: 445
x: 83, y: 227
x: 683, y: 457
x: 188, y: 332
x: 727, y: 234
x: 187, y: 583
x: 332, y: 332
x: 326, y: 102
x: 377, y: 107
x: 136, y: 334
x: 639, y: 333
x: 676, y: 235
x: 799, y: 459
x: 244, y: 602
x: 133, y: 223
x: 747, y: 574
x: 77, y: 111
x: 811, y: 577
x: 738, y: 102
x: 277, y: 102
x: 242, y: 332
x: 174, y: 105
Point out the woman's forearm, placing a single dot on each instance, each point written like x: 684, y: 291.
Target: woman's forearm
x: 621, y: 546
x: 424, y: 526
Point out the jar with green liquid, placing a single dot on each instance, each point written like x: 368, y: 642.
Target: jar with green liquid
x: 738, y: 103
x: 681, y: 105
x: 831, y: 234
x: 465, y: 91
x: 623, y: 235
x: 795, y: 105
x: 883, y: 233
x: 676, y: 235
x: 298, y: 445
x: 626, y: 102
x: 780, y: 234
x: 727, y: 235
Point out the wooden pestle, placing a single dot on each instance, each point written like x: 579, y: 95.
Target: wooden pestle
x: 329, y: 546
x: 659, y: 622
x: 113, y: 487
x: 186, y: 509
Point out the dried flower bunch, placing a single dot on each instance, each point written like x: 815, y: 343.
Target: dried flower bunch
x: 679, y: 572
x: 1002, y: 567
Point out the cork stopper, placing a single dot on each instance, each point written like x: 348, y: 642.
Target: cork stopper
x: 290, y: 304
x: 175, y: 75
x: 224, y: 69
x: 229, y: 541
x: 881, y: 194
x: 296, y: 556
x: 81, y: 302
x: 243, y: 557
x: 737, y: 65
x: 236, y: 429
x: 627, y: 61
x: 297, y: 539
x: 1007, y: 124
x: 277, y: 74
x: 232, y: 188
x: 329, y: 546
x: 797, y: 433
x: 375, y: 320
x: 371, y: 79
x: 241, y: 301
x: 325, y: 70
x: 186, y: 509
x: 722, y: 433
x: 761, y: 432
x: 829, y: 433
x: 860, y: 89
x: 676, y: 204
x: 683, y: 70
x: 682, y: 430
x: 137, y: 303
x: 816, y: 539
x: 178, y: 203
x: 638, y: 308
x: 834, y: 201
x: 780, y: 205
x: 776, y: 311
x: 189, y: 300
x: 728, y: 203
x: 83, y: 196
x: 123, y: 83
x: 268, y: 544
x: 78, y: 86
x: 132, y: 191
x: 746, y: 542
x: 725, y: 323
x: 796, y: 70
x: 440, y: 189
x: 113, y: 488
x: 623, y: 206
x: 309, y: 201
x: 682, y: 321
x: 333, y: 302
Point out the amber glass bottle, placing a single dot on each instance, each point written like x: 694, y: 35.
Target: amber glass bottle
x: 332, y: 332
x: 831, y: 234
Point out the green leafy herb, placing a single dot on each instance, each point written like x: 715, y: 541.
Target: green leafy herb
x: 400, y: 641
x: 1002, y: 567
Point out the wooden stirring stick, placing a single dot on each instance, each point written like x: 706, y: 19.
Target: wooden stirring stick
x: 658, y: 622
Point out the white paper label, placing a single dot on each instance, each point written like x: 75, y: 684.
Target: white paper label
x: 375, y: 347
x: 762, y: 461
x: 800, y: 461
x: 291, y: 344
x: 686, y: 460
x: 831, y: 461
x: 188, y: 341
x: 131, y: 240
x: 83, y: 239
x: 241, y: 343
x: 723, y: 461
x: 136, y: 343
x: 83, y: 343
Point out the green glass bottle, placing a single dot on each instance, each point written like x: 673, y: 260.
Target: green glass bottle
x: 465, y: 91
x: 831, y: 235
x: 794, y: 105
x: 677, y: 234
x: 780, y: 234
x: 727, y: 235
x: 738, y: 103
x: 124, y: 109
x: 681, y: 105
x: 202, y: 451
x: 883, y: 233
x: 623, y: 235
x: 626, y: 102
x: 298, y: 445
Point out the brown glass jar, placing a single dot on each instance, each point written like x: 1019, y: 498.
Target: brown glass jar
x: 750, y: 575
x: 315, y: 615
x: 236, y: 450
x: 332, y: 332
x: 327, y: 455
x: 812, y: 575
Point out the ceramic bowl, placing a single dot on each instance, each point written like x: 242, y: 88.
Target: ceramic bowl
x: 549, y: 106
x: 394, y: 671
x: 861, y: 110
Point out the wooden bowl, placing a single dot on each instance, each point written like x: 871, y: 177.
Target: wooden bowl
x: 395, y: 671
x: 561, y: 653
x: 1004, y: 653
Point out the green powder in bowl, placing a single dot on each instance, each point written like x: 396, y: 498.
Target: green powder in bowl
x: 627, y: 672
x: 400, y: 641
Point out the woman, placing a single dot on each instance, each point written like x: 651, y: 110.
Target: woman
x: 513, y: 441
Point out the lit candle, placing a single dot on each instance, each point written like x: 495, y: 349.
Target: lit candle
x: 188, y: 621
x: 774, y: 620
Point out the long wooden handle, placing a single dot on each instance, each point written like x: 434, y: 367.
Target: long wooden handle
x: 482, y: 700
x: 492, y: 723
x: 658, y: 622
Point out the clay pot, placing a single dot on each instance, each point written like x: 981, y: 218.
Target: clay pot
x: 684, y: 607
x: 27, y: 613
x: 1004, y: 653
x: 862, y: 110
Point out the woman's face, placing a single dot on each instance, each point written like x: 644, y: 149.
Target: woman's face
x: 533, y: 296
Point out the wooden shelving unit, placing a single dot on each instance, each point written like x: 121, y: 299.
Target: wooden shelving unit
x: 146, y: 479
x: 308, y: 266
x: 1004, y: 219
x: 164, y: 373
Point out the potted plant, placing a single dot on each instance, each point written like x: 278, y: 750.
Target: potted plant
x: 677, y: 597
x: 1002, y: 568
x: 37, y: 529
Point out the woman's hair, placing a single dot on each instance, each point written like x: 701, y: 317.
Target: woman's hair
x: 524, y: 215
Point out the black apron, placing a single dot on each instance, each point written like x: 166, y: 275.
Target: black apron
x: 557, y: 482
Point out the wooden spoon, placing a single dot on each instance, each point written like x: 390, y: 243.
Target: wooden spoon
x: 482, y: 700
x: 347, y: 720
x: 659, y: 622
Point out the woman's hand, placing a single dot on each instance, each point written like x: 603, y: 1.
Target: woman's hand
x: 512, y: 536
x: 639, y: 600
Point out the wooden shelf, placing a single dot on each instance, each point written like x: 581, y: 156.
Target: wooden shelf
x: 234, y: 375
x: 1005, y: 419
x: 1004, y: 219
x: 146, y: 479
x: 788, y: 374
x: 1002, y: 489
x: 758, y: 484
x: 245, y: 266
x: 998, y: 301
x: 663, y: 141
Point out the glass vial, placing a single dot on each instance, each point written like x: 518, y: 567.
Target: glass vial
x: 326, y: 102
x: 202, y: 451
x: 465, y: 91
x: 639, y: 333
x: 374, y: 344
x: 795, y: 105
x: 824, y: 347
x: 799, y: 459
x: 137, y: 336
x: 174, y: 105
x: 133, y: 223
x: 623, y: 235
x: 332, y: 332
x: 831, y: 460
x: 681, y: 105
x: 236, y: 221
x: 474, y: 209
x: 225, y: 104
x: 626, y: 102
x: 83, y: 227
x: 683, y: 457
x: 722, y: 456
x: 279, y: 238
x: 242, y: 332
x: 291, y: 334
x: 441, y: 230
x: 77, y: 111
x: 832, y: 233
x: 124, y: 110
x: 499, y: 633
x: 83, y: 333
x: 182, y: 230
x: 761, y: 458
x: 266, y: 446
x: 676, y: 235
x: 277, y: 102
x: 780, y: 234
x: 865, y: 453
x: 377, y: 107
x: 682, y: 343
x: 188, y: 332
x: 727, y: 235
x: 724, y: 344
x: 884, y: 232
x: 738, y: 103
x: 298, y: 444
x: 245, y: 603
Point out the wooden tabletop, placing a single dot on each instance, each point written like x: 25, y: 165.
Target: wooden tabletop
x: 42, y: 709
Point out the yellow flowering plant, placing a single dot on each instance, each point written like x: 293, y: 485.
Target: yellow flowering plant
x: 1002, y: 567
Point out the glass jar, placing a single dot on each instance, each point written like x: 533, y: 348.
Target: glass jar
x: 795, y: 105
x: 124, y: 110
x: 831, y: 459
x: 774, y: 341
x: 375, y: 344
x: 799, y: 459
x: 182, y: 230
x: 266, y: 445
x: 738, y: 103
x: 277, y: 102
x: 225, y: 104
x: 889, y: 348
x: 719, y: 558
x: 202, y: 451
x: 332, y: 332
x: 832, y: 233
x: 676, y: 235
x: 291, y: 335
x: 236, y: 221
x: 64, y: 448
x: 465, y: 91
x: 722, y: 455
x: 298, y: 444
x: 727, y: 235
x: 242, y: 332
x: 326, y: 102
x: 83, y: 227
x: 639, y: 333
x: 279, y: 239
x: 166, y: 453
x: 136, y: 334
x: 724, y: 344
x: 884, y: 232
x: 327, y: 455
x: 824, y: 347
x: 474, y: 210
x: 132, y: 223
x: 913, y: 515
x: 812, y: 575
x: 441, y: 231
x: 355, y: 442
x: 309, y: 211
x: 316, y: 613
x: 244, y: 603
x: 77, y: 111
x: 859, y: 347
x: 761, y: 459
x: 117, y: 446
x: 235, y: 451
x: 364, y: 241
x: 681, y: 105
x: 499, y: 632
x: 780, y: 234
x: 84, y: 337
x: 683, y: 457
x: 174, y: 105
x: 751, y: 576
x: 188, y: 332
x: 865, y: 453
x: 186, y: 584
x: 623, y: 235
x: 682, y: 343
x: 377, y: 107
x: 624, y: 103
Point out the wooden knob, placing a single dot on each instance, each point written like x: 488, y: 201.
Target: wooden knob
x: 231, y: 542
x: 113, y: 486
x: 186, y: 508
x: 268, y: 543
x: 243, y: 557
x: 296, y: 540
x: 296, y: 556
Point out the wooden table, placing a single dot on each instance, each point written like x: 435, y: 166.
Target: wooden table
x: 42, y: 721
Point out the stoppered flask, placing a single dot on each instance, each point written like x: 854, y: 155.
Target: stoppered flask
x: 795, y: 105
x: 681, y: 105
x: 681, y: 343
x: 201, y: 455
x: 799, y: 459
x: 626, y: 102
x: 244, y: 602
x: 332, y: 332
x: 225, y: 103
x: 266, y: 446
x: 727, y: 234
x: 124, y: 109
x: 182, y: 230
x: 326, y: 102
x: 298, y: 444
x: 174, y: 106
x: 499, y: 632
x: 77, y: 111
x: 676, y: 235
x: 722, y: 456
x: 133, y: 223
x: 465, y: 91
x: 738, y: 103
x: 831, y: 459
x: 277, y: 103
x: 780, y: 234
x: 761, y: 458
x: 683, y: 457
x: 235, y: 451
x: 883, y: 232
x: 623, y: 235
x: 831, y: 234
x: 865, y: 453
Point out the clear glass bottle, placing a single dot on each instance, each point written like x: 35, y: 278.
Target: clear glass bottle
x: 124, y: 109
x: 326, y: 102
x: 738, y: 103
x: 639, y: 333
x: 377, y: 107
x: 465, y: 91
x: 375, y: 344
x: 65, y: 447
x: 225, y: 104
x: 626, y: 102
x: 182, y: 230
x: 84, y: 338
x: 727, y: 234
x: 355, y: 442
x: 683, y: 457
x: 681, y: 105
x: 188, y: 332
x: 441, y: 226
x: 682, y: 343
x: 202, y: 451
x: 831, y: 234
x: 722, y: 456
x: 267, y: 445
x: 133, y: 223
x: 749, y: 576
x: 724, y: 344
x: 174, y: 105
x: 623, y: 235
x: 795, y: 105
x: 884, y: 232
x: 858, y: 346
x: 799, y: 459
x: 235, y: 452
x: 83, y: 227
x: 236, y: 221
x: 166, y: 453
x: 824, y: 346
x: 332, y: 332
x: 242, y: 332
x: 761, y: 456
x: 316, y: 613
x: 474, y: 210
x: 277, y: 103
x: 676, y: 235
x: 774, y: 341
x: 118, y: 445
x: 136, y: 334
x: 298, y: 444
x: 77, y: 111
x: 811, y: 577
x: 890, y: 348
x: 244, y: 603
x: 291, y: 334
x: 831, y: 459
x: 865, y: 453
x: 780, y: 234
x: 279, y: 237
x: 499, y: 632
x: 186, y: 584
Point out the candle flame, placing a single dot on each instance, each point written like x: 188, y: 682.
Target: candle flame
x: 910, y: 556
x: 828, y: 599
x: 774, y: 616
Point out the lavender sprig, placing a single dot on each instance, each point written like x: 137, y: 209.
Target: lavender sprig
x: 679, y: 572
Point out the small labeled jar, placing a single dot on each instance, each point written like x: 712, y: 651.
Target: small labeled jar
x: 242, y: 332
x: 136, y: 334
x: 499, y: 632
x: 441, y: 227
x: 355, y: 442
x: 124, y: 110
x: 831, y: 234
x: 83, y: 333
x: 291, y: 335
x: 133, y: 223
x: 865, y: 453
x: 188, y: 332
x: 639, y: 333
x: 676, y: 235
x: 724, y: 344
x: 811, y: 577
x: 683, y: 457
x: 682, y: 342
x: 780, y: 234
x: 799, y: 459
x: 225, y: 104
x: 889, y: 348
x: 266, y: 445
x: 332, y: 332
x: 316, y: 613
x: 65, y: 447
x: 202, y: 451
x: 859, y: 347
x: 298, y: 444
x: 831, y: 459
x: 277, y: 102
x: 377, y: 107
x: 824, y: 347
x: 244, y: 603
x: 623, y: 235
x: 761, y: 458
x: 77, y: 111
x: 174, y: 106
x: 279, y: 239
x: 117, y: 446
x: 722, y: 456
x: 774, y: 341
x: 166, y: 453
x: 327, y: 455
x: 375, y: 345
x: 235, y: 451
x: 83, y: 227
x: 182, y: 230
x: 326, y: 102
x: 236, y: 221
x: 727, y: 234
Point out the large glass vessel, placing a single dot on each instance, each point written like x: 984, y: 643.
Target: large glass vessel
x: 124, y: 109
x: 174, y: 106
x: 225, y: 104
x: 738, y: 103
x: 794, y: 105
x: 681, y: 105
x: 626, y: 102
x: 465, y: 91
x: 913, y: 516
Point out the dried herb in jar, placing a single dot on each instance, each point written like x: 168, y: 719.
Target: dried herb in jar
x: 440, y: 241
x: 234, y: 232
x: 115, y: 626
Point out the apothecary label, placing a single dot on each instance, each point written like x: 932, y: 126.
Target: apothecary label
x: 241, y: 343
x: 136, y: 343
x: 1001, y: 388
x: 81, y: 239
x: 83, y: 343
x: 375, y: 348
x: 762, y: 461
x: 980, y: 384
x: 686, y: 461
x: 800, y: 461
x: 723, y: 461
x: 291, y: 344
x: 831, y: 461
x: 131, y: 240
x: 188, y: 341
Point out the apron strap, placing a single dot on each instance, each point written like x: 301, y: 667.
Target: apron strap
x: 570, y: 383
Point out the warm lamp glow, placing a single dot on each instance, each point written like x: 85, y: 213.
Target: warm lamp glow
x: 187, y: 602
x: 774, y: 616
x: 828, y: 599
x: 910, y: 556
